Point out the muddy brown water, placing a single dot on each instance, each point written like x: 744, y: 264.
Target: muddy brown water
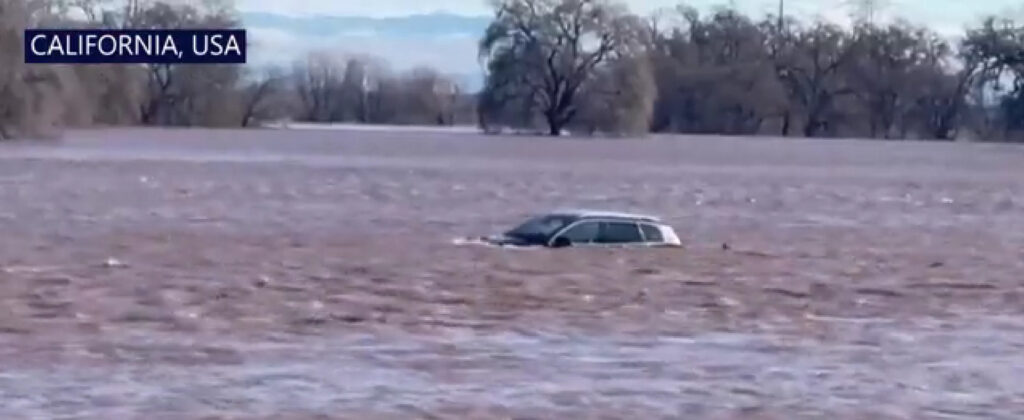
x: 313, y: 274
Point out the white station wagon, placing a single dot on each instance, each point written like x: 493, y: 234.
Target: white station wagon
x: 570, y: 228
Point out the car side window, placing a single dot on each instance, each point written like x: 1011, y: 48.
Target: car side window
x: 652, y: 233
x: 582, y: 233
x: 619, y: 232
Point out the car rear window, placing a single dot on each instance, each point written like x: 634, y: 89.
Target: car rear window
x: 619, y: 232
x: 652, y: 233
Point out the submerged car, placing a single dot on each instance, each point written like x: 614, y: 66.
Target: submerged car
x: 560, y: 229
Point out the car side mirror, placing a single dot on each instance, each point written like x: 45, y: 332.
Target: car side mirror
x: 561, y: 242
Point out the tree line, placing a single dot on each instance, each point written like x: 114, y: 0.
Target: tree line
x: 589, y: 67
x: 37, y: 100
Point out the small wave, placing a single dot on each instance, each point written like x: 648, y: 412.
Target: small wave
x: 469, y: 241
x: 28, y: 269
x: 481, y: 242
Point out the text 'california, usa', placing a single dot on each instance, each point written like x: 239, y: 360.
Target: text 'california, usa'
x: 207, y: 46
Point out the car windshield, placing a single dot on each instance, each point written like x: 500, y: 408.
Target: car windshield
x: 540, y: 228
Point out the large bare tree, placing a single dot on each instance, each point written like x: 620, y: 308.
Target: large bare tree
x: 544, y: 52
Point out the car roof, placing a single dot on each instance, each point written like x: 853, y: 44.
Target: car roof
x: 604, y: 214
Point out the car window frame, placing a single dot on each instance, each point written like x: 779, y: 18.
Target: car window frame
x: 599, y: 220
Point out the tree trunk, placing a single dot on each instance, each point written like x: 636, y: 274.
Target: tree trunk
x: 555, y: 124
x: 811, y: 128
x: 554, y: 129
x: 248, y: 114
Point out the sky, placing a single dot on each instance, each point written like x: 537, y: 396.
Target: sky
x: 456, y: 53
x: 946, y: 13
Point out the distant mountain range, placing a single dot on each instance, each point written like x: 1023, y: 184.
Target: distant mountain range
x: 428, y: 25
x: 447, y: 42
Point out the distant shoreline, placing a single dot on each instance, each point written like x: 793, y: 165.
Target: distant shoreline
x: 473, y: 130
x: 370, y: 127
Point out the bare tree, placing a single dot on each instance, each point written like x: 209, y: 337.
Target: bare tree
x: 621, y: 102
x: 551, y: 49
x: 31, y: 97
x: 317, y: 82
x: 183, y: 94
x: 355, y: 92
x: 329, y: 88
x: 810, y: 65
x: 714, y: 75
x: 262, y: 97
x: 887, y: 73
x: 428, y: 97
x: 996, y: 50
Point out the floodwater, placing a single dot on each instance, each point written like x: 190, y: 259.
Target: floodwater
x: 314, y: 274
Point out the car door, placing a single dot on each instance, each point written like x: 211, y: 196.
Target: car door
x: 617, y: 233
x: 582, y: 233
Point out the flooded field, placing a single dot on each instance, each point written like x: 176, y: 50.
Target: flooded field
x: 314, y: 274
